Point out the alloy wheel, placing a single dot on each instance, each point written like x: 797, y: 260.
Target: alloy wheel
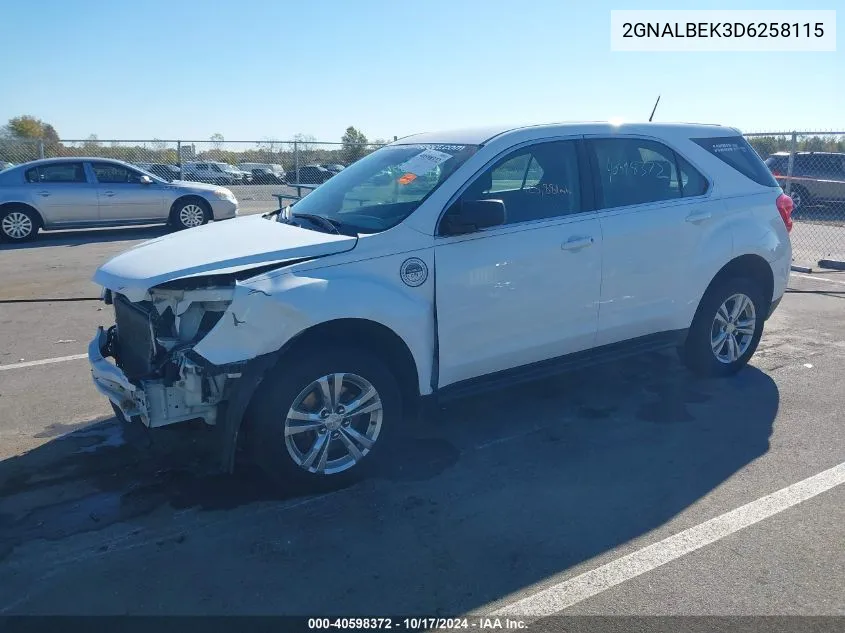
x: 191, y: 215
x: 333, y: 423
x: 733, y: 328
x: 17, y: 225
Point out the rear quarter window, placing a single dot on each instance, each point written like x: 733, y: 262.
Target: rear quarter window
x: 736, y: 152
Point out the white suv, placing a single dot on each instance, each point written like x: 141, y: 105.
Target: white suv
x: 212, y: 172
x: 310, y: 334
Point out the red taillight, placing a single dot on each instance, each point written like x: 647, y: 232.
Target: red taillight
x: 784, y: 205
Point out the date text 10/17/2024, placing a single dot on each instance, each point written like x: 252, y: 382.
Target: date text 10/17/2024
x: 417, y: 624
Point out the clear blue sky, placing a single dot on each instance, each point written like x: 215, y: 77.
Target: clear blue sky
x: 272, y: 68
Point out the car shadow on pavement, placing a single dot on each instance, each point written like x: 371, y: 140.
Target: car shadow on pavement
x: 504, y: 491
x: 81, y: 237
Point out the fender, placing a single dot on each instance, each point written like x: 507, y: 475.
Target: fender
x: 267, y: 313
x: 714, y: 250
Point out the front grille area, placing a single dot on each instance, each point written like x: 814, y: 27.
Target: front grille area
x: 135, y: 346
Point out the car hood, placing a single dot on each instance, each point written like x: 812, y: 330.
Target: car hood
x: 219, y: 248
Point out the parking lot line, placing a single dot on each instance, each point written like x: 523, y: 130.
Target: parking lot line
x: 817, y: 278
x: 44, y: 361
x: 569, y: 592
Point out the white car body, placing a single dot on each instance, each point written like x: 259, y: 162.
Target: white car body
x: 489, y: 302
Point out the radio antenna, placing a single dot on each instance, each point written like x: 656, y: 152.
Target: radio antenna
x: 654, y: 109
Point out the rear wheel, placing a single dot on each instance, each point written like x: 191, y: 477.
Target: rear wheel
x: 18, y: 224
x: 321, y: 423
x: 726, y: 329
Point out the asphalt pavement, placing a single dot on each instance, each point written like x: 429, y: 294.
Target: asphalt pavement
x: 537, y: 493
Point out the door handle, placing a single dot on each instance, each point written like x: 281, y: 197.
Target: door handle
x: 575, y: 243
x: 44, y: 194
x: 108, y: 193
x: 699, y: 217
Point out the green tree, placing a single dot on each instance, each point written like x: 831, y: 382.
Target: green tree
x: 26, y: 126
x: 354, y: 144
x: 815, y: 144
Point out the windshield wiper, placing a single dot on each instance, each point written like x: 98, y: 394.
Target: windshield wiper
x: 327, y: 223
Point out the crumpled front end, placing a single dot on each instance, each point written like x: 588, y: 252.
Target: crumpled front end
x: 145, y: 364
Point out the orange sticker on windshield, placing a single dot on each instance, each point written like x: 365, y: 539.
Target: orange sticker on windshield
x: 406, y: 178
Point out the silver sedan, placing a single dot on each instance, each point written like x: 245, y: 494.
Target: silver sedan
x: 65, y: 193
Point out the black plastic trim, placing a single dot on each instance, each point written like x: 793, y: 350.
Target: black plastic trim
x: 554, y: 366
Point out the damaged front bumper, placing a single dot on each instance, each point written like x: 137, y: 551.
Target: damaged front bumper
x: 113, y: 383
x: 156, y: 402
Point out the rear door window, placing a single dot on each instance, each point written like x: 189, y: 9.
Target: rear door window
x: 736, y: 152
x: 56, y: 173
x: 692, y: 182
x: 634, y: 171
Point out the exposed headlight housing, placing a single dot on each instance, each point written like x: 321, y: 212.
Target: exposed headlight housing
x: 186, y: 315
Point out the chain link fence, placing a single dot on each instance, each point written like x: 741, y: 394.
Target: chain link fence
x: 258, y: 172
x: 810, y: 166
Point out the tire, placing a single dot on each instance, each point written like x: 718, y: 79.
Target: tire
x: 18, y: 224
x: 190, y: 213
x: 800, y: 198
x: 700, y: 352
x: 300, y: 461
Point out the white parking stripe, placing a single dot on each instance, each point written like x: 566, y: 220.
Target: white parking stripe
x: 569, y: 592
x: 45, y: 361
x: 817, y: 278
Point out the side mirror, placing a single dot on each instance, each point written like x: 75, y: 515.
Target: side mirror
x: 469, y: 216
x: 146, y: 180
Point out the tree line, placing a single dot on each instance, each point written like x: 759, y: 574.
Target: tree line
x: 24, y: 138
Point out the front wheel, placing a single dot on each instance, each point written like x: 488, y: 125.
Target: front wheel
x: 726, y: 329
x: 322, y: 422
x: 189, y: 214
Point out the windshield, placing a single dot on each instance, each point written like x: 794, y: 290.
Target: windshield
x: 385, y: 187
x: 148, y: 173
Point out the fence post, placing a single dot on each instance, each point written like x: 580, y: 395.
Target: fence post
x: 296, y: 166
x: 179, y: 158
x: 41, y: 149
x: 791, y: 162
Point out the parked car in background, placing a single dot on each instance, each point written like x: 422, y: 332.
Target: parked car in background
x: 273, y: 167
x: 162, y: 170
x: 335, y: 167
x: 817, y: 177
x: 214, y: 172
x: 263, y: 176
x: 309, y: 175
x: 66, y: 193
x: 245, y: 176
x: 5, y: 165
